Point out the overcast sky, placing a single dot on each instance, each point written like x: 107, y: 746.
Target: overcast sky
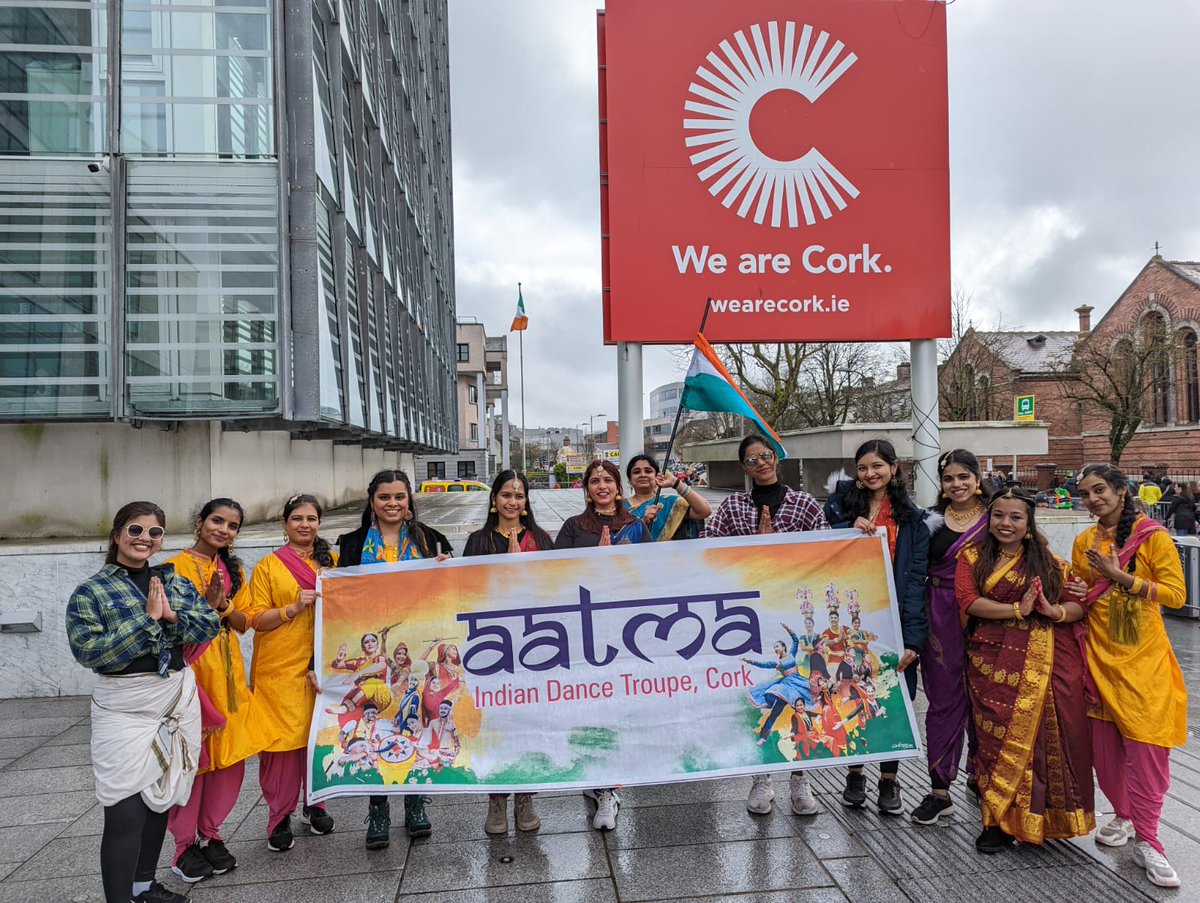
x: 1074, y: 140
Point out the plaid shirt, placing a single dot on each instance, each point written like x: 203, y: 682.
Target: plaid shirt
x: 107, y: 624
x: 738, y: 515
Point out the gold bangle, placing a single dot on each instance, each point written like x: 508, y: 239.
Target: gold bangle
x: 284, y: 616
x: 1062, y: 614
x: 1017, y: 611
x: 1135, y: 588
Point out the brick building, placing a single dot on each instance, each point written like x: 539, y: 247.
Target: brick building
x: 1160, y: 308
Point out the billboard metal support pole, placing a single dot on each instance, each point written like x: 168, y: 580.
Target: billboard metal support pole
x: 926, y: 434
x: 629, y: 399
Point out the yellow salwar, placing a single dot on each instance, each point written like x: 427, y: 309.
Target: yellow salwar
x: 221, y: 673
x: 1141, y: 687
x: 279, y: 667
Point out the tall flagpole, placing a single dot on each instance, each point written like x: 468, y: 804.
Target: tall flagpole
x: 521, y: 358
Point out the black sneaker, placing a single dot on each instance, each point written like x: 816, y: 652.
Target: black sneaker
x: 890, y: 802
x: 379, y: 826
x: 416, y: 822
x: 993, y: 840
x: 159, y: 894
x: 855, y: 793
x: 192, y: 866
x: 281, y: 838
x: 318, y: 820
x: 931, y: 809
x: 218, y: 857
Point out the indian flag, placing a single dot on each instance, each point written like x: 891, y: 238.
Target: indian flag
x: 520, y: 321
x: 709, y: 387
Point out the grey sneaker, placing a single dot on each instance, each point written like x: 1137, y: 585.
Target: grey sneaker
x: 803, y: 802
x: 1158, y: 870
x: 761, y: 794
x: 1116, y: 833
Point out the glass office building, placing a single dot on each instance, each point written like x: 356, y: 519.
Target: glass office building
x: 234, y: 210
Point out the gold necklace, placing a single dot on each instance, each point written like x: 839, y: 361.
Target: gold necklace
x: 1004, y: 554
x: 969, y: 517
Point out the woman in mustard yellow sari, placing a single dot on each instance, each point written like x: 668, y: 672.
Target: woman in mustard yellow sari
x: 1025, y: 675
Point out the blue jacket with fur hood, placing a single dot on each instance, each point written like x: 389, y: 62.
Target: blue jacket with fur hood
x: 910, y: 566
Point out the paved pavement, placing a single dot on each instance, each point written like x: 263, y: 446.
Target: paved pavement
x: 685, y: 842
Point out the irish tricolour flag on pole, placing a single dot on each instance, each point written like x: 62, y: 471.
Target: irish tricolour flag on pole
x: 709, y: 387
x: 520, y: 321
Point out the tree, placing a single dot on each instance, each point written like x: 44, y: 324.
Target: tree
x: 1123, y: 377
x: 974, y: 383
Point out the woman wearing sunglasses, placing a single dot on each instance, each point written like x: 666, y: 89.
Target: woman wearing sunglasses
x: 770, y: 507
x: 129, y: 624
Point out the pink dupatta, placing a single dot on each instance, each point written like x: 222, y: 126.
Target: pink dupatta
x: 297, y: 567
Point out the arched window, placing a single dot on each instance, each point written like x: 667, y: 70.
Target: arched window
x: 1158, y: 374
x: 1191, y: 376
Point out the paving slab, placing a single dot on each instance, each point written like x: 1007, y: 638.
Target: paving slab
x: 46, y: 807
x: 588, y: 890
x: 34, y: 727
x: 663, y: 873
x: 510, y: 860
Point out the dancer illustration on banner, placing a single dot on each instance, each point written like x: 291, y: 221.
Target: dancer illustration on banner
x: 829, y: 681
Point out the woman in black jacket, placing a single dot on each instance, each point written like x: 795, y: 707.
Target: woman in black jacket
x: 1181, y: 515
x: 390, y: 531
x: 877, y: 498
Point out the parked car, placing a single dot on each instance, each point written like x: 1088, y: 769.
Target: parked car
x: 453, y: 486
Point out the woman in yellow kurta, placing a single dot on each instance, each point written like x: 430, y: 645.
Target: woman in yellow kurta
x: 282, y: 596
x: 1132, y: 568
x: 239, y: 728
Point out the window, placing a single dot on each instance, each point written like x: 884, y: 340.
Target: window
x: 55, y: 297
x: 435, y: 470
x: 201, y: 306
x: 464, y: 353
x: 1155, y: 335
x: 474, y: 432
x: 466, y: 470
x: 1191, y: 378
x: 473, y: 394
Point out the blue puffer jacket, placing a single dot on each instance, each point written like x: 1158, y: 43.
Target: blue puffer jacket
x: 909, y: 568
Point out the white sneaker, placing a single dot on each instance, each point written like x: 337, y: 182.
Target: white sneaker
x: 761, y: 794
x: 1116, y: 833
x: 803, y: 802
x: 1158, y: 870
x: 607, y: 806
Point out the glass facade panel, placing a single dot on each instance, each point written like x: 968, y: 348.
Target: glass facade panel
x: 202, y: 289
x: 52, y: 77
x: 55, y: 290
x: 197, y: 79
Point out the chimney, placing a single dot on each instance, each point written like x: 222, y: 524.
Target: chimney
x: 1085, y: 318
x: 904, y: 370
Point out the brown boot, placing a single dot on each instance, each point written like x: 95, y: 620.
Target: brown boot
x: 497, y: 814
x: 523, y: 813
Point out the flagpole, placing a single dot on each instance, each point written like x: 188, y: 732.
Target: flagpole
x: 521, y: 359
x: 679, y: 410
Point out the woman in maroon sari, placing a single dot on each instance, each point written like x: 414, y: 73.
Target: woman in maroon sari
x: 962, y: 523
x: 1025, y: 679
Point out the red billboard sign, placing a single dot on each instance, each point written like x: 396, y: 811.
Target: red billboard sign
x: 787, y: 159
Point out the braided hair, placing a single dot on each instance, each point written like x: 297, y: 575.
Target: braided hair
x: 1118, y: 482
x: 1039, y: 560
x: 858, y: 503
x: 322, y: 551
x: 232, y: 563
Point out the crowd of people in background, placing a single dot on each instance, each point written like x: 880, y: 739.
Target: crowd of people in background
x: 1044, y: 671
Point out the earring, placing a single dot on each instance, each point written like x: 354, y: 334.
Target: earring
x: 858, y: 484
x: 978, y: 491
x: 1028, y: 536
x: 618, y: 496
x: 408, y: 515
x: 523, y: 512
x: 492, y: 510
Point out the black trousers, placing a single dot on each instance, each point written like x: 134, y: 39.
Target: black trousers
x: 129, y: 849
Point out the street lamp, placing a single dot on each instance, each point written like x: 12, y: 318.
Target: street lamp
x: 591, y: 432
